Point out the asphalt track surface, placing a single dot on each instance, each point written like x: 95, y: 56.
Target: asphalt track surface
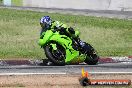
x: 108, y: 68
x: 101, y: 68
x: 85, y: 12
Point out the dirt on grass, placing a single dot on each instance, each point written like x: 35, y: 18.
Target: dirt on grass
x: 52, y: 81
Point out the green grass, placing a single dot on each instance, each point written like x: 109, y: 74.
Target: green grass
x: 16, y: 2
x: 19, y: 33
x: 1, y: 2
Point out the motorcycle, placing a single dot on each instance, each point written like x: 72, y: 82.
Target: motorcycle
x: 63, y: 50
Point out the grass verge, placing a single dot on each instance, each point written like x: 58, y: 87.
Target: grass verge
x: 19, y: 33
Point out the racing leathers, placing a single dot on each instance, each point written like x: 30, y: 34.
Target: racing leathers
x: 64, y: 30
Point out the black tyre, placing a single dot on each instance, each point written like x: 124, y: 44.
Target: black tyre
x: 92, y: 59
x: 55, y: 56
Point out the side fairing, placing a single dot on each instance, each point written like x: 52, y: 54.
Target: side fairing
x: 66, y: 42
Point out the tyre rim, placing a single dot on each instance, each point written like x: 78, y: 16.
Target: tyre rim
x: 58, y: 54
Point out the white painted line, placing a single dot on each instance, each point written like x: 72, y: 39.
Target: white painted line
x: 2, y: 74
x: 122, y: 59
x: 7, y: 74
x: 110, y: 72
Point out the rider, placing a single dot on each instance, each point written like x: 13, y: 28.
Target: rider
x: 47, y: 24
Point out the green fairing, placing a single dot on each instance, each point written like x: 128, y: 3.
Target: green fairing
x: 71, y: 54
x: 54, y: 46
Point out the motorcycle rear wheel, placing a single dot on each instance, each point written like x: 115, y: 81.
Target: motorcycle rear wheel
x: 92, y: 59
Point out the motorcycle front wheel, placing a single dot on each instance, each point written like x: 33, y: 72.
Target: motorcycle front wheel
x: 56, y: 56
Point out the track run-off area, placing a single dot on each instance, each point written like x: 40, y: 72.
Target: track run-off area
x: 27, y: 67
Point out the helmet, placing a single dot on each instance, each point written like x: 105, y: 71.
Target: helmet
x: 45, y: 22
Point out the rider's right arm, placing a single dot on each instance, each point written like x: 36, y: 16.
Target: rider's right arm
x: 42, y: 35
x: 42, y: 30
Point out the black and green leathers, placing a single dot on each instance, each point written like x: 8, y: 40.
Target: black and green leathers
x: 63, y: 28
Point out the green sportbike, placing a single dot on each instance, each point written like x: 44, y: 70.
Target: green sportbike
x: 63, y: 50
